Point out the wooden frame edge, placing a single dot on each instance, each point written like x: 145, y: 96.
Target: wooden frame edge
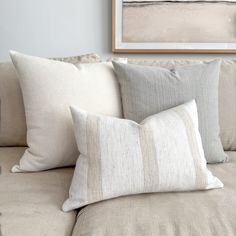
x: 160, y: 51
x: 174, y: 51
x: 114, y: 26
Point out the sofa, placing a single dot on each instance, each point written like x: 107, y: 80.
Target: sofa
x: 30, y: 203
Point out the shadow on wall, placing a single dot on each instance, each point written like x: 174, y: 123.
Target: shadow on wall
x: 106, y: 14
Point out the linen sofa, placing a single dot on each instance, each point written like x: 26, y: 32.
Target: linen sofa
x: 30, y: 203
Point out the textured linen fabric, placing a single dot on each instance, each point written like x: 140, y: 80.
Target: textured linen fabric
x: 120, y: 157
x: 87, y: 58
x: 12, y: 112
x: 30, y: 204
x: 227, y: 94
x: 147, y: 90
x: 48, y: 88
x: 202, y: 213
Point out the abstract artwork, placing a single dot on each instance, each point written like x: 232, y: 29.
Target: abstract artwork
x: 194, y: 26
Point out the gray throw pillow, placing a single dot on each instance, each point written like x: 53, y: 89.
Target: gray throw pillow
x: 147, y: 90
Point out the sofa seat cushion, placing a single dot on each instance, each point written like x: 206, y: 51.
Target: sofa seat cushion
x: 211, y: 213
x: 30, y: 204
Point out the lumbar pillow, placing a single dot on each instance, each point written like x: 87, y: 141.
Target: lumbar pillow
x: 48, y: 87
x: 147, y: 90
x: 121, y: 157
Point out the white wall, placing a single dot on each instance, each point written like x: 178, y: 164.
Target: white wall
x: 59, y: 28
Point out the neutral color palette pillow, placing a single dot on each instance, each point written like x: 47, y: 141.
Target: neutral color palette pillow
x: 227, y: 94
x: 147, y: 90
x: 121, y: 157
x: 12, y: 112
x: 48, y: 88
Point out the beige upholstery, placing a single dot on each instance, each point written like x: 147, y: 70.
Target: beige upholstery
x: 211, y: 213
x: 12, y: 113
x: 13, y: 127
x: 30, y: 204
x: 227, y: 95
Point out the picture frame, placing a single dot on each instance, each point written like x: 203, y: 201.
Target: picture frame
x: 119, y: 45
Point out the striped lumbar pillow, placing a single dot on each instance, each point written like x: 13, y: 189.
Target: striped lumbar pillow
x: 121, y: 157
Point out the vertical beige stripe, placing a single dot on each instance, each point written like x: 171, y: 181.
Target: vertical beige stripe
x: 150, y: 165
x: 94, y: 158
x: 201, y: 178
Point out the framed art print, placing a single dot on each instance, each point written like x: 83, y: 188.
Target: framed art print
x: 174, y: 26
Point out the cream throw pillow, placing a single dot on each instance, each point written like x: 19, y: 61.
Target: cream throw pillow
x: 48, y: 87
x: 12, y: 111
x: 121, y: 157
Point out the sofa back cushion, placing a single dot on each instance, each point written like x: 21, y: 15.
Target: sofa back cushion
x: 227, y: 95
x: 12, y: 113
